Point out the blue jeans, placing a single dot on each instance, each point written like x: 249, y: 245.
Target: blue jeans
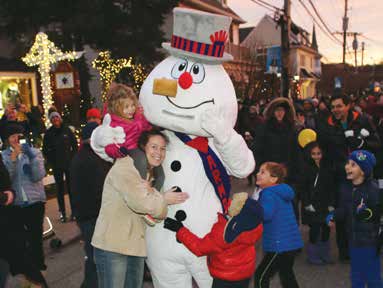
x: 115, y: 270
x: 365, y: 268
x: 90, y: 274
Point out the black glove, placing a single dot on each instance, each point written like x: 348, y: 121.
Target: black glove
x: 124, y: 151
x: 172, y: 225
x: 354, y: 142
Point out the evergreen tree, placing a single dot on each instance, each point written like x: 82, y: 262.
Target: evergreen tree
x: 125, y: 27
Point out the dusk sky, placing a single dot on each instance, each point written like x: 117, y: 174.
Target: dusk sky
x: 365, y: 16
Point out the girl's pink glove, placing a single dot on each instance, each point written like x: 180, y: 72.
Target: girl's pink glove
x: 114, y: 151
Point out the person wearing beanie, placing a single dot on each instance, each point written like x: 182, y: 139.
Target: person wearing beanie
x: 93, y: 115
x: 59, y: 147
x: 342, y: 132
x: 25, y: 165
x: 359, y: 207
x: 88, y: 173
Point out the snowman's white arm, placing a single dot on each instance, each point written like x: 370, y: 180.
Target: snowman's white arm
x: 236, y: 156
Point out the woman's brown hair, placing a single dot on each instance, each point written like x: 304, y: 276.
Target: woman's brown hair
x: 116, y: 95
x: 276, y: 170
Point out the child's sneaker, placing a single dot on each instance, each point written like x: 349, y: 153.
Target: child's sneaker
x: 149, y: 220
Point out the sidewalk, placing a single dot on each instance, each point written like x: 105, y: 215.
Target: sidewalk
x: 67, y: 232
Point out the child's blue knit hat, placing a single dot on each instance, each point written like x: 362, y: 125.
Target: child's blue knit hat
x: 365, y: 160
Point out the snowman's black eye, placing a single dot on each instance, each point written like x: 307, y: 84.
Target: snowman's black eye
x: 179, y: 68
x: 198, y: 72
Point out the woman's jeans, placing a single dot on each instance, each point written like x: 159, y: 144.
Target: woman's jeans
x: 118, y: 270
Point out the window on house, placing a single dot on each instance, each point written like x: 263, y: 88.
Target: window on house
x: 302, y: 60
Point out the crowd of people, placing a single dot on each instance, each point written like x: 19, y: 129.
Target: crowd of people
x: 320, y: 171
x: 334, y: 180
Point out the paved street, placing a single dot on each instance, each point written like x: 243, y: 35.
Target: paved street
x: 65, y: 266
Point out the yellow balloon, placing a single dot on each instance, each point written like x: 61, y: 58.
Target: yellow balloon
x: 306, y: 136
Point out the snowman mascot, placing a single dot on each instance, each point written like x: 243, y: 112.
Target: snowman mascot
x: 192, y: 97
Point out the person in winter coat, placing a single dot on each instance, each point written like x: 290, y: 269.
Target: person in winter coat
x: 318, y: 191
x: 341, y: 133
x: 281, y: 236
x: 276, y: 141
x: 125, y: 113
x: 88, y: 173
x: 6, y: 199
x: 360, y: 209
x: 119, y: 235
x: 230, y: 244
x: 59, y: 147
x: 25, y: 165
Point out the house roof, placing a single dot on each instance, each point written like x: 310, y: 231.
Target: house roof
x: 213, y: 6
x: 243, y: 32
x: 296, y: 35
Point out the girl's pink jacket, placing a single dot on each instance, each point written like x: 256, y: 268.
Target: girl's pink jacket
x: 132, y: 129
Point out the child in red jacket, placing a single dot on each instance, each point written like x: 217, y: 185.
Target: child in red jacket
x: 230, y: 245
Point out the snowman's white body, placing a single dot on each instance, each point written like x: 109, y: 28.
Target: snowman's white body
x: 171, y: 264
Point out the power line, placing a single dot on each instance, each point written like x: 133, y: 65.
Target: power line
x: 330, y: 36
x: 268, y: 4
x: 372, y: 40
x: 320, y: 18
x: 264, y: 6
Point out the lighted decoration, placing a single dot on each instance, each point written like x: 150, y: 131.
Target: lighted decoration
x: 43, y: 53
x: 109, y: 68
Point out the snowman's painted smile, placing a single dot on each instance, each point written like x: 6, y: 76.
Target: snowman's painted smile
x: 178, y: 115
x: 190, y: 107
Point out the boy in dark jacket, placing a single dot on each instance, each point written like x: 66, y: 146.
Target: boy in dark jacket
x: 359, y: 208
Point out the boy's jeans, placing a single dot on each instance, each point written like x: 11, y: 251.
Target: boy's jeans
x: 117, y: 270
x: 365, y: 268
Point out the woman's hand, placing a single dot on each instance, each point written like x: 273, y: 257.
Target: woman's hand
x: 147, y: 186
x: 172, y: 197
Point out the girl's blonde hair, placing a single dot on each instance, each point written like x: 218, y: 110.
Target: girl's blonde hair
x: 276, y: 170
x: 116, y: 96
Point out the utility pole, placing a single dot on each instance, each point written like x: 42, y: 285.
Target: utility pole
x: 345, y: 27
x: 285, y: 47
x: 355, y: 47
x: 362, y: 53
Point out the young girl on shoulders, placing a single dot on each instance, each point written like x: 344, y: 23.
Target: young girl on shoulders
x: 125, y: 112
x: 281, y: 236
